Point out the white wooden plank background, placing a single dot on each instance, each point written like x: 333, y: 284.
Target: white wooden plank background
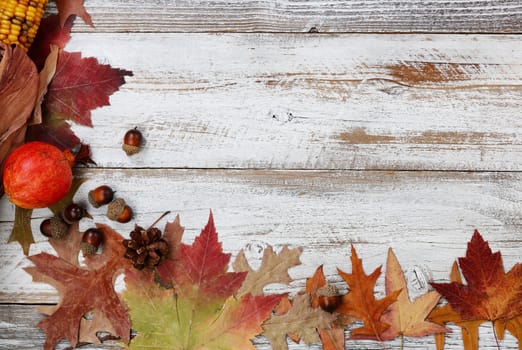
x: 325, y: 16
x: 319, y: 140
x: 313, y: 102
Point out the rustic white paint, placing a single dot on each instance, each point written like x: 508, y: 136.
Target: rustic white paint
x: 319, y: 102
x: 470, y: 16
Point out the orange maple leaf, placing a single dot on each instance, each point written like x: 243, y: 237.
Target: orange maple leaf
x: 406, y: 317
x: 491, y: 294
x: 360, y: 302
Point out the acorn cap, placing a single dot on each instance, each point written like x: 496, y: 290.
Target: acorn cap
x: 328, y: 290
x: 115, y: 208
x: 90, y: 198
x: 129, y: 149
x: 88, y: 249
x: 59, y: 228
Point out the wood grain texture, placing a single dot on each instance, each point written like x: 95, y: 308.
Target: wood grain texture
x: 18, y: 332
x: 474, y: 16
x: 416, y: 102
x: 426, y: 217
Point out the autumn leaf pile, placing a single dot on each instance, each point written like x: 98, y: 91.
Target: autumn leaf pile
x: 193, y: 301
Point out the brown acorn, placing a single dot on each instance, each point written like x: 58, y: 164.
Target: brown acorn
x: 91, y: 240
x: 119, y: 211
x: 45, y: 227
x: 329, y: 298
x: 132, y: 141
x: 54, y: 227
x: 72, y: 213
x: 101, y: 195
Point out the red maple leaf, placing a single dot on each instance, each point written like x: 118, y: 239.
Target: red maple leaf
x: 203, y: 266
x: 67, y: 8
x: 200, y: 311
x: 83, y: 290
x: 80, y: 85
x: 490, y: 293
x: 50, y: 33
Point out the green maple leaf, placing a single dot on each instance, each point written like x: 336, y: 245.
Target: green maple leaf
x: 200, y: 311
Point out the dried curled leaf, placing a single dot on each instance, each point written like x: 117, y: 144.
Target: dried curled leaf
x: 18, y: 89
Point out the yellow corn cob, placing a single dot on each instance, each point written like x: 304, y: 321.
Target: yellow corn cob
x: 19, y: 21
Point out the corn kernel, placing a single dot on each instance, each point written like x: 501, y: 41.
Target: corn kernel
x: 19, y: 21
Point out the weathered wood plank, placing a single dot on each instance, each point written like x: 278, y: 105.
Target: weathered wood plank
x: 18, y: 331
x: 433, y: 102
x: 502, y: 16
x: 427, y: 217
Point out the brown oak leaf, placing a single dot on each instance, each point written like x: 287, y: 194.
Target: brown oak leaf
x: 361, y: 303
x: 406, y: 317
x: 490, y: 293
x: 302, y: 321
x: 274, y: 269
x: 83, y: 290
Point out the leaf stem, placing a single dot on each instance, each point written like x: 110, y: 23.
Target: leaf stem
x: 495, y: 335
x: 158, y: 219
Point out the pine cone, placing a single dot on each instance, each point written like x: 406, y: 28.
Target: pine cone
x: 146, y: 248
